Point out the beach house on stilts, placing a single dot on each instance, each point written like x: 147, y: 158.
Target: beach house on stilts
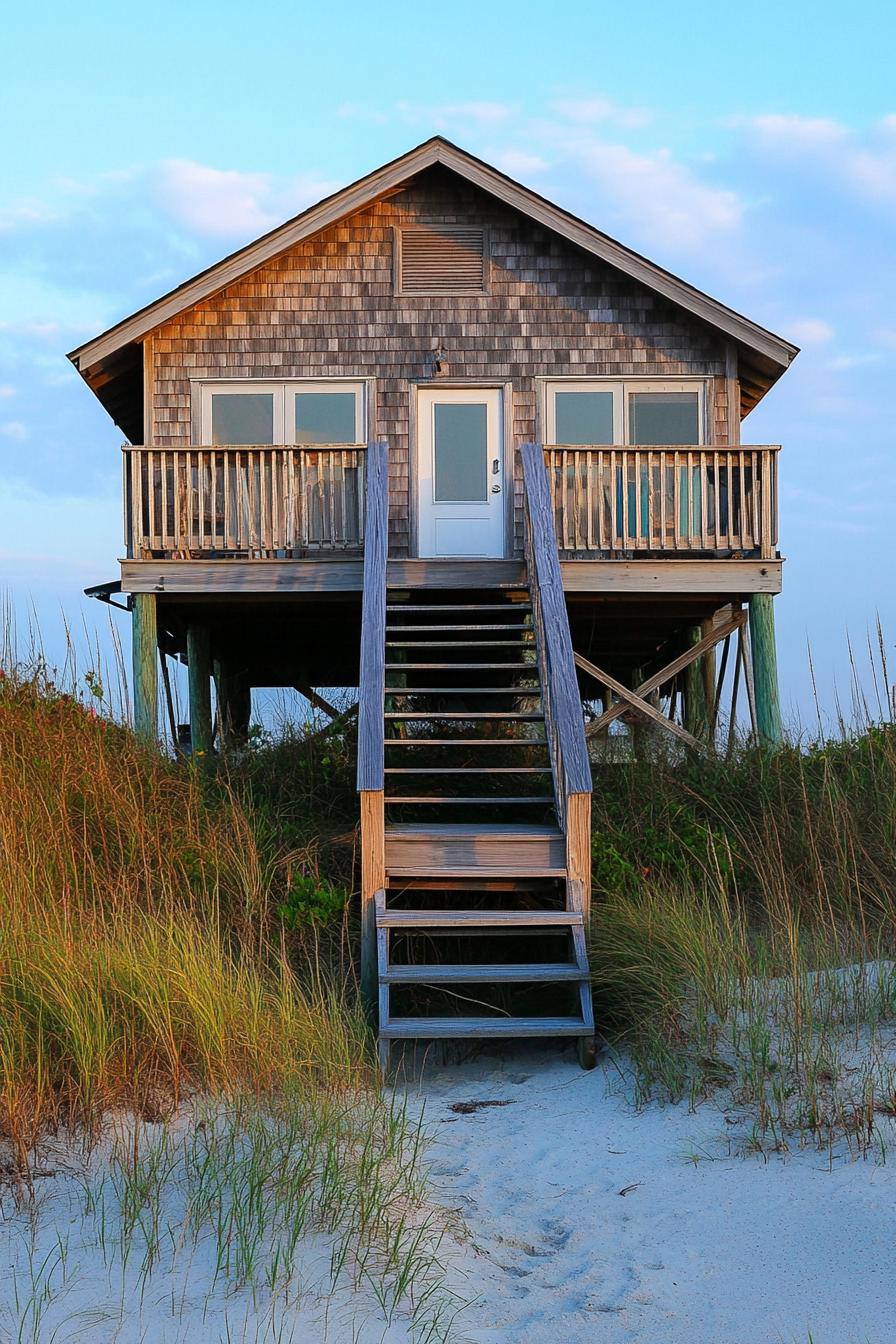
x: 440, y: 440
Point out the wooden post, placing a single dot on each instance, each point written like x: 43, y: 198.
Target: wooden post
x: 696, y: 704
x: 765, y: 670
x: 144, y: 652
x: 373, y: 879
x: 199, y: 669
x: 234, y: 698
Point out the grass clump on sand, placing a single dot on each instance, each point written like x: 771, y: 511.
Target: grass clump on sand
x: 146, y: 970
x: 744, y: 932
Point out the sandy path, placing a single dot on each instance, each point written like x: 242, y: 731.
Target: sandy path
x: 724, y: 1250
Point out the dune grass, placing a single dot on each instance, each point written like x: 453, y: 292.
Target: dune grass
x: 744, y: 933
x: 146, y: 970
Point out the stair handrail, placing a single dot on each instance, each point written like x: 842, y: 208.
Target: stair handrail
x: 564, y: 720
x: 372, y: 676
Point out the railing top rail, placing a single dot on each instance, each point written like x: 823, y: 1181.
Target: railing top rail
x: 664, y: 447
x: 563, y: 688
x: 243, y: 447
x: 372, y: 677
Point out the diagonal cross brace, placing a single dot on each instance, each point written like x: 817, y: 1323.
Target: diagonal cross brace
x: 637, y: 699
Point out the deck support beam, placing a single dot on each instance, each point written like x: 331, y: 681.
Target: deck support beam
x: 765, y: 670
x: 145, y: 662
x: 373, y: 880
x: 199, y: 670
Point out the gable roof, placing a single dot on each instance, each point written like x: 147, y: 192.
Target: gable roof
x: 105, y: 360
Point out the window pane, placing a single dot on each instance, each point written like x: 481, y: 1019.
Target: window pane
x: 663, y: 417
x: 461, y: 454
x: 325, y: 417
x: 243, y: 417
x: 583, y: 417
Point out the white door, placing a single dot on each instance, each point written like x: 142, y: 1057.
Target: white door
x: 460, y: 472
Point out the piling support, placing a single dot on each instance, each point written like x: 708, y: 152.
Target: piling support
x: 144, y: 653
x: 697, y: 707
x: 234, y: 697
x: 199, y: 670
x: 765, y: 669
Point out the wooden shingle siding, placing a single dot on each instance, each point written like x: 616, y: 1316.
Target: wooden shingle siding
x: 327, y: 308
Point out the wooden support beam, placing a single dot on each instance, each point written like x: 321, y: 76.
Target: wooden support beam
x: 169, y: 698
x: 737, y: 622
x: 373, y: 880
x: 635, y: 700
x: 234, y: 700
x: 316, y: 700
x: 765, y: 670
x: 144, y: 654
x: 199, y: 671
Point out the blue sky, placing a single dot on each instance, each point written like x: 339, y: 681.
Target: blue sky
x: 751, y: 151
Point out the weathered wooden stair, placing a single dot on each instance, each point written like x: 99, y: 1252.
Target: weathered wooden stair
x: 475, y: 800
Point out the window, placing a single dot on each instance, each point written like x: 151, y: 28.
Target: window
x: 639, y: 413
x: 289, y: 412
x: 440, y: 259
x: 460, y: 453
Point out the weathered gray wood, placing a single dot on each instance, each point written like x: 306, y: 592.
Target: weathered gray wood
x: 466, y: 742
x: 696, y: 707
x: 484, y: 848
x: 144, y: 656
x: 765, y: 670
x: 634, y: 700
x: 397, y: 874
x: 553, y: 628
x: 467, y: 769
x: 500, y: 973
x: 199, y: 675
x: 334, y: 574
x: 373, y: 621
x: 432, y: 1028
x: 487, y: 919
x: 666, y: 673
x: 461, y: 714
x: 499, y: 800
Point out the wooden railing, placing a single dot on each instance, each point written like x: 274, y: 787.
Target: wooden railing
x: 664, y: 499
x: 371, y: 707
x: 564, y: 723
x: 249, y: 501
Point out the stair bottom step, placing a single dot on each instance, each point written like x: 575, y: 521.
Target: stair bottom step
x: 433, y: 1028
x: 549, y: 972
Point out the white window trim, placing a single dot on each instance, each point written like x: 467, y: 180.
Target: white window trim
x: 620, y: 387
x: 284, y: 390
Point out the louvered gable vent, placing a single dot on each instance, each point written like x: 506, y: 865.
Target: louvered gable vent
x: 441, y: 259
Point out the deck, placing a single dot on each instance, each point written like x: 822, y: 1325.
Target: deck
x: 258, y: 519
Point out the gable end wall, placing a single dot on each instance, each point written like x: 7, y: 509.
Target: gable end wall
x: 327, y: 308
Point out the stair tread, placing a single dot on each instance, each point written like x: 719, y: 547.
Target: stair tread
x: 467, y: 769
x: 509, y: 605
x: 483, y: 871
x: 466, y: 742
x: 460, y: 667
x: 460, y: 629
x: 531, y: 692
x: 508, y: 973
x: 493, y: 829
x: 498, y: 798
x: 462, y: 643
x: 426, y: 1027
x: 461, y: 714
x: 493, y: 919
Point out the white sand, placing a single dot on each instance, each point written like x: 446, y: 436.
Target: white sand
x: 718, y: 1250
x: 703, y: 1248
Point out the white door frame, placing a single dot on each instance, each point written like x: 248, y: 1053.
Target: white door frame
x: 497, y: 397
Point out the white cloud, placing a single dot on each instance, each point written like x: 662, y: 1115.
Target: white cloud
x: 664, y: 199
x: 841, y: 362
x: 884, y: 336
x: 225, y: 203
x: 866, y: 163
x: 518, y: 163
x: 6, y: 390
x: 14, y: 429
x: 811, y: 331
x: 479, y: 114
x: 591, y: 110
x: 23, y: 214
x: 791, y: 132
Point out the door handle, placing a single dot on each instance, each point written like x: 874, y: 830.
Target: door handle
x: 496, y: 489
x: 496, y: 467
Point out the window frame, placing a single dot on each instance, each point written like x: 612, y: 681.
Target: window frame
x: 620, y: 387
x: 285, y: 391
